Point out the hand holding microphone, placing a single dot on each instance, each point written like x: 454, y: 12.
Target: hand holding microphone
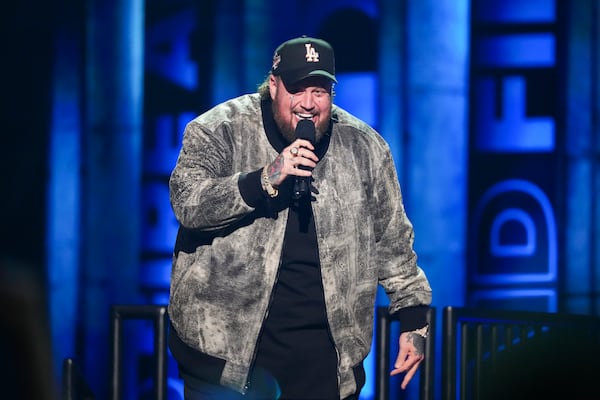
x: 295, y: 160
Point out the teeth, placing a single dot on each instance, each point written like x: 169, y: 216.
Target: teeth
x: 305, y: 116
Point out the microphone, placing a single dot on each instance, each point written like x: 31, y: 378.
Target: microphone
x: 304, y: 130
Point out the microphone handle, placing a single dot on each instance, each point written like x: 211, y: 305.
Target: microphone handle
x: 301, y: 185
x: 300, y: 189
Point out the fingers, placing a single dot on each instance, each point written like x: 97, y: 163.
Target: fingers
x: 410, y: 366
x: 301, y: 148
x: 408, y: 361
x: 410, y: 372
x: 297, y: 159
x: 302, y: 143
x: 405, y: 364
x: 299, y: 153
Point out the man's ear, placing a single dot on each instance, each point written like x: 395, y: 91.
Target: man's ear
x: 272, y: 86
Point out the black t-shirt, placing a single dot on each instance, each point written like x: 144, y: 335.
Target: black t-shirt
x: 295, y: 345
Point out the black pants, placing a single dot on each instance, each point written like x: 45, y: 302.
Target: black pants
x: 197, y: 390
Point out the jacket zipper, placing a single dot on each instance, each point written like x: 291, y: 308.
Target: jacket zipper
x: 255, y: 353
x: 337, y: 353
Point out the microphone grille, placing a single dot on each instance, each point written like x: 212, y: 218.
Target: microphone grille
x: 306, y: 130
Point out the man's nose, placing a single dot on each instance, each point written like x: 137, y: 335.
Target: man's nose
x: 307, y: 102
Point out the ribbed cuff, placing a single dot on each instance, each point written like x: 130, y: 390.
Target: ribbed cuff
x: 251, y: 189
x: 412, y: 318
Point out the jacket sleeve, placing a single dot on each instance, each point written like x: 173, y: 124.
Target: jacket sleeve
x: 204, y: 187
x: 403, y: 280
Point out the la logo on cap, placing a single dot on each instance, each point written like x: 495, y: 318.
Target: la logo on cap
x: 312, y: 55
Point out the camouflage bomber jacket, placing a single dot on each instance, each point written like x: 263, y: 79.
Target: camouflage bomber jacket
x: 221, y: 285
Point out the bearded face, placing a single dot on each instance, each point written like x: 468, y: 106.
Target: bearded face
x: 309, y: 99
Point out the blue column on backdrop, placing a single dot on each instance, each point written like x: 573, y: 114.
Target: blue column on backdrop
x: 582, y: 148
x: 257, y: 44
x: 111, y: 174
x: 63, y: 198
x: 227, y: 60
x: 435, y: 140
x: 392, y: 78
x: 436, y: 137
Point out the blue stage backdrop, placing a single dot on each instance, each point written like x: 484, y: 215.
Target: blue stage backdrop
x: 490, y: 230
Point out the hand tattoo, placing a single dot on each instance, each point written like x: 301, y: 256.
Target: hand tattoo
x: 417, y: 338
x: 274, y: 169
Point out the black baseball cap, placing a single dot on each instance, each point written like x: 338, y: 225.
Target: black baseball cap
x: 302, y: 57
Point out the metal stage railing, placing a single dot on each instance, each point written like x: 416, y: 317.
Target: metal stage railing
x: 158, y: 315
x: 488, y: 353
